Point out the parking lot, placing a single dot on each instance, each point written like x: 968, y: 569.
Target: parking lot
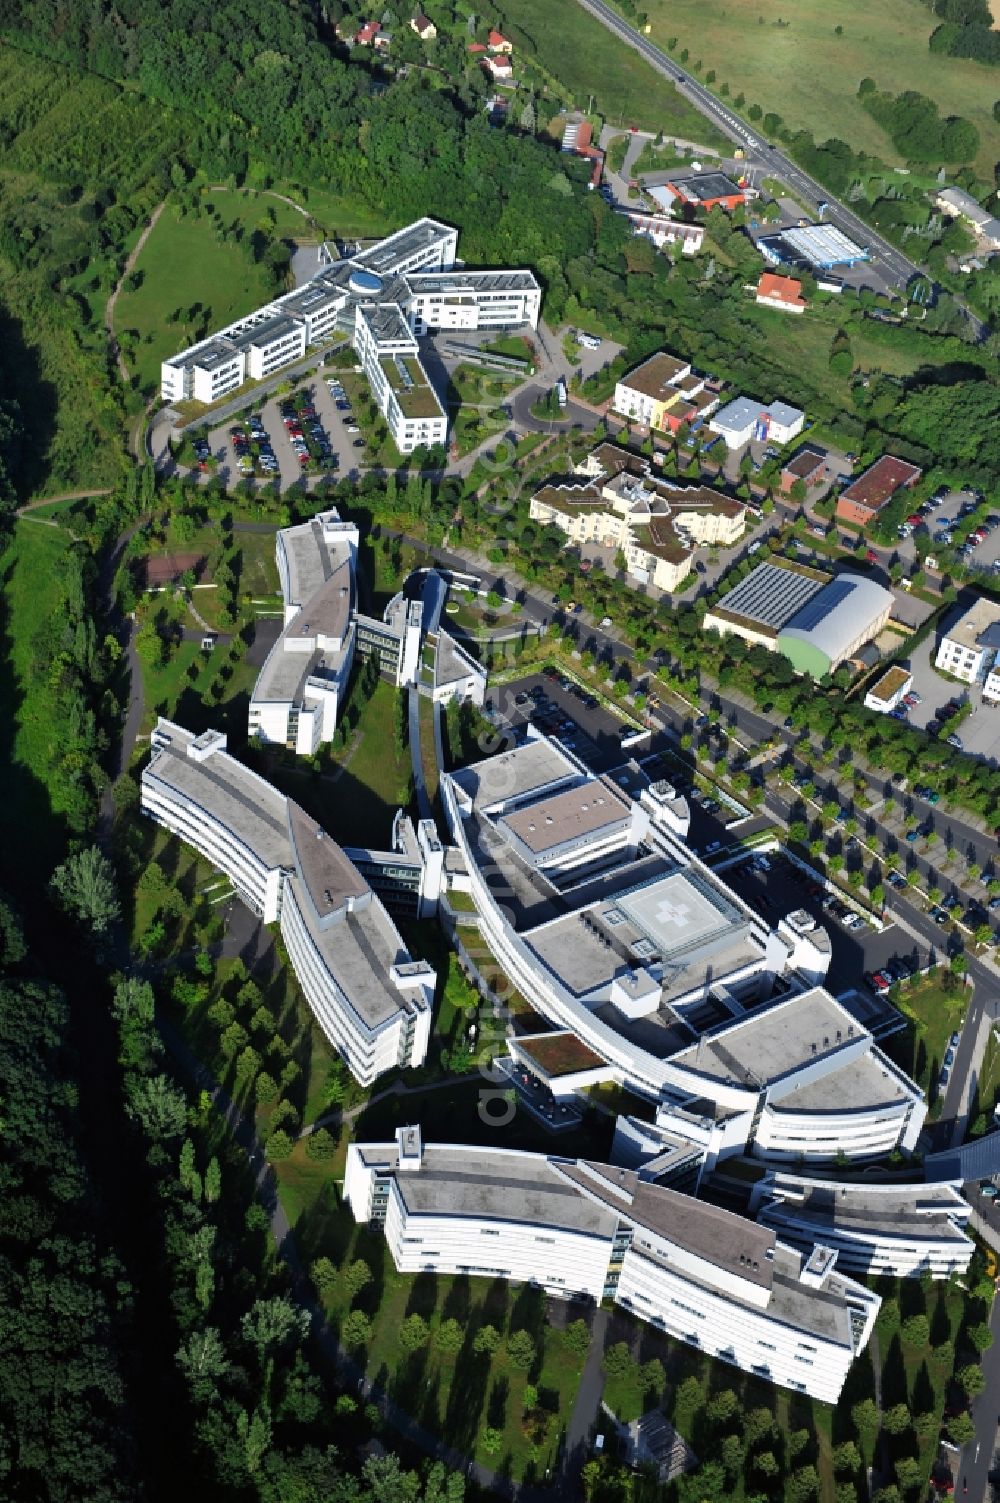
x: 560, y: 707
x: 782, y: 887
x: 979, y: 731
x: 241, y: 444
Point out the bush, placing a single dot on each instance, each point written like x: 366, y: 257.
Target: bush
x: 617, y: 1360
x: 324, y: 1275
x: 320, y: 1145
x: 278, y: 1146
x: 486, y: 1341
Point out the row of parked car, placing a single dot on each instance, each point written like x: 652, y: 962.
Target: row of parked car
x: 339, y: 395
x: 252, y: 447
x: 894, y: 970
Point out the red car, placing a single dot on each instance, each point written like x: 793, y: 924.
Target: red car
x: 871, y: 556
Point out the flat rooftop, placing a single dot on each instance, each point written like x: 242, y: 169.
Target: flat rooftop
x: 392, y: 253
x: 867, y: 1082
x: 911, y: 1213
x: 805, y: 463
x: 657, y: 376
x: 569, y: 815
x: 824, y: 245
x: 891, y: 682
x: 488, y: 1185
x: 516, y: 773
x: 981, y: 619
x: 227, y: 791
x: 880, y: 482
x: 706, y: 186
x: 774, y: 1042
x: 555, y: 1054
x: 771, y: 595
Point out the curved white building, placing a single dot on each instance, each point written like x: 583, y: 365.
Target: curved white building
x: 876, y: 1227
x: 297, y: 697
x: 372, y: 1001
x: 605, y: 921
x: 705, y: 1276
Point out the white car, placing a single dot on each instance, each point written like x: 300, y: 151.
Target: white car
x: 606, y: 621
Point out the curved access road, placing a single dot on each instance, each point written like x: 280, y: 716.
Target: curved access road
x: 890, y: 262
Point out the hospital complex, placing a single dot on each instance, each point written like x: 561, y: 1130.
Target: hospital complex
x: 640, y: 966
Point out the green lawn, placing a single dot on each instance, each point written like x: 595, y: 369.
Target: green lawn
x: 184, y: 264
x: 369, y: 779
x: 588, y: 60
x: 934, y: 1014
x: 789, y: 59
x: 29, y: 817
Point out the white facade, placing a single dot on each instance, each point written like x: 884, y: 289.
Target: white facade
x: 889, y: 691
x: 389, y: 355
x: 968, y: 649
x: 297, y: 697
x: 411, y: 273
x: 602, y: 916
x: 371, y: 1000
x: 746, y: 419
x: 702, y: 1275
x: 877, y: 1228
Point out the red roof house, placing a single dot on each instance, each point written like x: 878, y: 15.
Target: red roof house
x: 497, y: 42
x: 781, y: 292
x: 866, y: 496
x: 367, y: 34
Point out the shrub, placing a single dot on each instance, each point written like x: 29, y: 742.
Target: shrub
x: 320, y: 1145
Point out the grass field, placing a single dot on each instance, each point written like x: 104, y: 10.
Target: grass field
x: 29, y: 819
x: 184, y: 264
x: 807, y: 74
x: 357, y: 805
x: 934, y: 1015
x: 588, y: 60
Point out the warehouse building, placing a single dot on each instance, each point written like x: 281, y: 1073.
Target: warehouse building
x: 573, y: 1227
x: 814, y: 247
x: 813, y: 620
x: 372, y: 1001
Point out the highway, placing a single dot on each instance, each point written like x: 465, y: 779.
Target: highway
x: 892, y: 264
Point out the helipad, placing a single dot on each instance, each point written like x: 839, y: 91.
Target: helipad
x: 676, y: 913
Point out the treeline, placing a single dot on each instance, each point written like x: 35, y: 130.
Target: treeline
x: 916, y: 129
x: 67, y: 1298
x: 966, y: 30
x: 265, y: 73
x: 69, y: 655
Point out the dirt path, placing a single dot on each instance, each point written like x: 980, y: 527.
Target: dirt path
x: 109, y: 307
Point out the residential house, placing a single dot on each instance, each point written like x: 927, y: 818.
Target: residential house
x: 424, y: 28
x: 497, y: 42
x: 784, y: 293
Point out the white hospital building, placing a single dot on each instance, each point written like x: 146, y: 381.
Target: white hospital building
x: 702, y: 1275
x: 372, y: 1001
x: 596, y: 909
x: 384, y: 297
x: 299, y: 693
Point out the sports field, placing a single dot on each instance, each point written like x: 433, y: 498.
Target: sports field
x: 788, y: 58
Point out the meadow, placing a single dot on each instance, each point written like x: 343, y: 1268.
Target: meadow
x: 792, y: 60
x: 589, y: 62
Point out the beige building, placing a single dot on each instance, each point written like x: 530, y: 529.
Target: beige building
x: 968, y: 649
x: 621, y: 503
x: 665, y: 393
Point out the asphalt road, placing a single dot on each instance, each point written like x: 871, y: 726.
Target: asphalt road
x: 893, y: 265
